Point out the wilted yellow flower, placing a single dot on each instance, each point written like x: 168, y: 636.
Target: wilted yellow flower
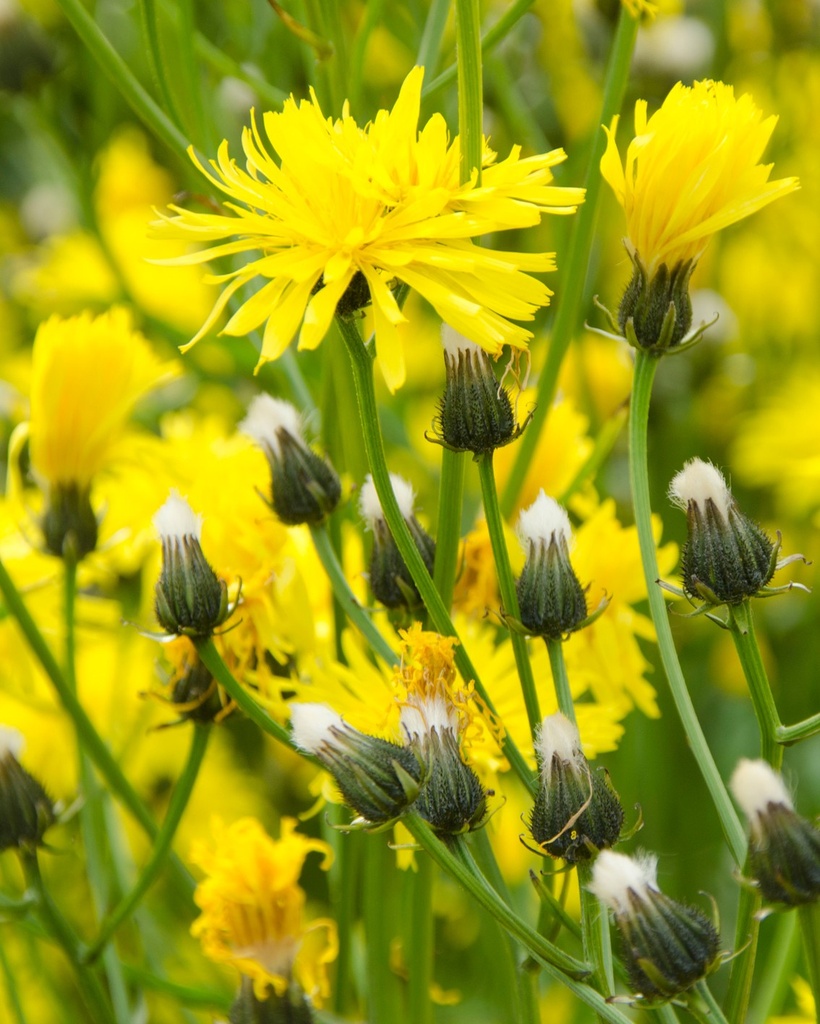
x: 692, y: 169
x: 253, y: 908
x: 347, y: 212
x: 87, y: 374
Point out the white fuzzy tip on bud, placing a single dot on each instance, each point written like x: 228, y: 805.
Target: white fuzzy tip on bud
x: 312, y: 724
x: 454, y: 342
x: 419, y: 718
x: 370, y: 506
x: 266, y: 417
x: 700, y: 481
x: 614, y: 875
x: 557, y: 737
x: 755, y: 785
x: 11, y: 742
x: 544, y: 519
x: 177, y: 519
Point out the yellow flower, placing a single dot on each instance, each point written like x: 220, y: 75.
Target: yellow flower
x: 348, y: 211
x: 692, y: 169
x: 87, y: 374
x: 253, y: 908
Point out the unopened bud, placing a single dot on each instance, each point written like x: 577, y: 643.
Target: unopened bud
x: 291, y: 1007
x: 25, y: 808
x: 658, y: 309
x: 69, y: 520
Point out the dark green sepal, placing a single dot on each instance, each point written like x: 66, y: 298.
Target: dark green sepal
x: 784, y: 857
x: 390, y: 579
x: 451, y: 798
x: 26, y: 810
x: 656, y: 314
x: 576, y: 813
x: 189, y: 599
x: 289, y: 1008
x: 304, y: 487
x: 69, y: 519
x: 551, y: 600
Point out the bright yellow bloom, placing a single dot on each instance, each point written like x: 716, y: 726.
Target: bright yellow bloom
x: 87, y: 374
x: 349, y: 210
x: 692, y: 169
x: 253, y: 908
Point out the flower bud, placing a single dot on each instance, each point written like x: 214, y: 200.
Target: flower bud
x: 69, y: 519
x: 667, y: 946
x: 576, y: 811
x: 25, y: 809
x: 304, y: 486
x: 727, y: 558
x: 784, y: 849
x: 390, y: 579
x: 379, y: 779
x: 475, y: 413
x: 195, y: 693
x: 189, y: 597
x: 656, y: 312
x: 291, y: 1007
x: 551, y: 600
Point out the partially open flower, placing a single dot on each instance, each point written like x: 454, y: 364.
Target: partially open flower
x: 304, y: 486
x: 390, y: 579
x: 379, y: 779
x: 189, y: 597
x: 25, y: 809
x: 667, y: 946
x: 576, y: 810
x: 784, y: 849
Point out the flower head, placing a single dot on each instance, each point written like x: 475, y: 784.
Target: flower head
x: 692, y: 169
x: 26, y: 811
x: 253, y: 908
x: 342, y: 212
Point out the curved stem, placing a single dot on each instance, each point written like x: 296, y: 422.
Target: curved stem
x: 788, y: 734
x: 87, y: 735
x: 506, y: 585
x: 347, y: 599
x: 560, y: 681
x: 742, y: 629
x: 61, y: 931
x: 645, y: 366
x: 212, y: 660
x: 165, y: 837
x: 361, y: 358
x: 574, y: 273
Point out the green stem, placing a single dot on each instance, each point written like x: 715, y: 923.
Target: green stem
x: 383, y: 996
x: 470, y: 88
x: 344, y: 893
x: 574, y: 273
x: 788, y: 734
x: 506, y: 585
x: 421, y: 944
x: 370, y: 18
x: 12, y: 994
x: 122, y: 77
x: 212, y: 660
x: 448, y: 529
x: 560, y: 680
x: 741, y: 626
x: 809, y: 917
x: 747, y: 933
x: 595, y: 935
x: 645, y: 366
x: 713, y: 1014
x: 430, y: 45
x: 61, y: 931
x: 361, y: 358
x: 156, y: 59
x: 554, y: 962
x: 347, y: 599
x: 487, y: 41
x: 87, y: 735
x: 776, y: 971
x: 162, y: 845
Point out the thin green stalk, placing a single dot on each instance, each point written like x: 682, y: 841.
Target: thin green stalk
x: 347, y: 599
x: 809, y: 917
x: 162, y: 845
x: 741, y: 626
x: 645, y: 366
x: 595, y: 935
x: 337, y: 63
x: 470, y: 87
x: 788, y: 734
x: 370, y: 19
x: 421, y: 944
x: 87, y: 735
x: 430, y: 45
x: 61, y: 931
x: 197, y: 122
x: 714, y: 1014
x: 156, y: 58
x: 383, y: 995
x: 506, y: 585
x: 747, y: 932
x: 560, y: 680
x: 552, y: 960
x: 575, y: 267
x: 487, y: 41
x: 361, y: 359
x: 344, y: 882
x: 448, y: 529
x: 212, y: 660
x: 122, y: 77
x: 187, y: 995
x: 776, y: 971
x: 12, y: 995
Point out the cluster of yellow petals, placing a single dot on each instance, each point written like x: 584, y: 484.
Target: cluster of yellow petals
x: 253, y: 908
x: 692, y: 169
x: 384, y: 201
x: 87, y: 374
